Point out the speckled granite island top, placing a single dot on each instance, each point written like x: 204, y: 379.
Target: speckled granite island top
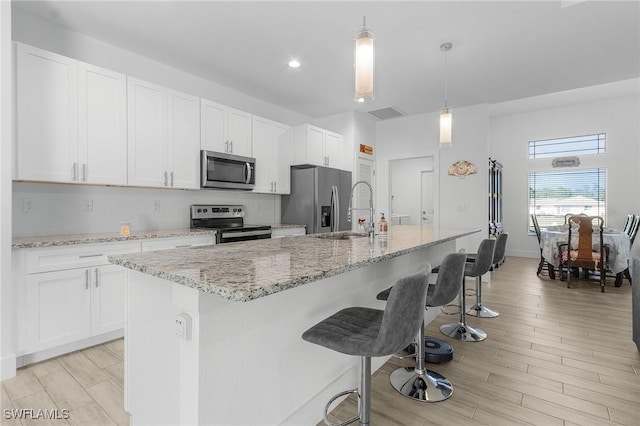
x: 106, y: 237
x: 249, y: 270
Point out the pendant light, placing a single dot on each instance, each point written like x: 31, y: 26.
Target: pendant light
x: 364, y: 64
x: 445, y: 113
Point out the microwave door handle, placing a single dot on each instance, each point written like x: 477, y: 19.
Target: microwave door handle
x: 203, y: 169
x: 248, y: 169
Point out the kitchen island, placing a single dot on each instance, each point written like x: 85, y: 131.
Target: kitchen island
x: 239, y: 358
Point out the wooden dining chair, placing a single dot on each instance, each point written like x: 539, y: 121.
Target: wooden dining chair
x: 542, y: 265
x: 584, y: 254
x: 568, y: 215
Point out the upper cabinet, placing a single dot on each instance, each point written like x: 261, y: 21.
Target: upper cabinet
x: 70, y: 120
x: 272, y: 150
x: 225, y: 129
x: 313, y: 145
x: 164, y: 138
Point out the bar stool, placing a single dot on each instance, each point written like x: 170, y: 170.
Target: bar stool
x: 478, y: 309
x: 460, y: 330
x: 367, y: 332
x: 417, y: 382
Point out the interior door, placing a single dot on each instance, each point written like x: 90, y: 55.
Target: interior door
x: 426, y: 197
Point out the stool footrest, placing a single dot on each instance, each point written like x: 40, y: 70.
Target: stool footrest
x: 326, y: 409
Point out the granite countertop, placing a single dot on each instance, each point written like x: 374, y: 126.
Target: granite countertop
x: 106, y: 237
x: 249, y: 270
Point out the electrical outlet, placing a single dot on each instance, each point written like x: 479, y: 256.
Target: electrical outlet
x: 156, y: 206
x: 87, y: 206
x: 27, y: 205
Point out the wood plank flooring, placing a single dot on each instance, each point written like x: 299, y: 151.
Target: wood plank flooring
x: 554, y: 356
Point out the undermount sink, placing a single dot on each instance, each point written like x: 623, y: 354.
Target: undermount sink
x: 341, y: 235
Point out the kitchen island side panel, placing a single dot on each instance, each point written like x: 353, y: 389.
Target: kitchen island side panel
x: 246, y: 362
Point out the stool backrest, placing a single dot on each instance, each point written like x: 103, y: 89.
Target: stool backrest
x: 403, y: 314
x: 501, y: 248
x: 450, y: 276
x: 484, y: 258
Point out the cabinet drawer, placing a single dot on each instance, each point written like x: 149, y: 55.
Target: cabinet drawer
x: 182, y: 242
x: 287, y: 232
x: 80, y: 256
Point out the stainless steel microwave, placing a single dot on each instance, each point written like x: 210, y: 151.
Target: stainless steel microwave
x: 227, y: 171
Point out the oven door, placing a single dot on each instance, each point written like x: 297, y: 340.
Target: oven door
x: 227, y: 171
x: 242, y: 234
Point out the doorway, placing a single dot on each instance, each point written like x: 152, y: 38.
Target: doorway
x: 411, y: 191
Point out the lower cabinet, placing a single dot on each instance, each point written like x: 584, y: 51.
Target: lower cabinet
x: 288, y: 232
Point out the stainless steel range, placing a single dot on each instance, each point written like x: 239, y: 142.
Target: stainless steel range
x: 228, y: 221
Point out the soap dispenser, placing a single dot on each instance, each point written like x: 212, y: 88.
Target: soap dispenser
x: 383, y: 227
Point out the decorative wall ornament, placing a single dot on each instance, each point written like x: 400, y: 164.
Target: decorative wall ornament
x: 462, y: 168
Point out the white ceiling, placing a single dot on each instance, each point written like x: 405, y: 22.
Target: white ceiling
x: 501, y: 50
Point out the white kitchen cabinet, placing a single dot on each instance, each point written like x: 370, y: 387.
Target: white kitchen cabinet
x: 184, y: 140
x: 272, y: 150
x: 70, y: 120
x: 224, y: 129
x: 147, y: 131
x: 108, y: 304
x: 47, y: 116
x: 164, y: 136
x: 102, y: 124
x: 313, y: 145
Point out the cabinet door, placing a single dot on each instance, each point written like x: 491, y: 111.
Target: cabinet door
x: 180, y: 242
x: 333, y: 149
x: 239, y: 134
x: 315, y: 146
x: 184, y: 139
x: 148, y: 150
x: 283, y: 158
x: 108, y: 291
x: 102, y: 119
x: 263, y: 150
x: 213, y: 122
x: 58, y: 306
x: 47, y: 116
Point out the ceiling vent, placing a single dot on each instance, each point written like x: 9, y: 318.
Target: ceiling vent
x: 387, y: 113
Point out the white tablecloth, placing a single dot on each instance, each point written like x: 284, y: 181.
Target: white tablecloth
x: 618, y: 242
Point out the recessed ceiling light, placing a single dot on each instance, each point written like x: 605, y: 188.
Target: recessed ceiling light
x: 294, y: 63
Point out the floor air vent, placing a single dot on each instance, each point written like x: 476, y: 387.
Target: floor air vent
x: 387, y: 113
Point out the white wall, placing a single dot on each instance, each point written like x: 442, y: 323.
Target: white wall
x: 616, y: 116
x: 7, y: 357
x: 461, y: 202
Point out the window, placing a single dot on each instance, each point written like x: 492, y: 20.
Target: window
x: 577, y: 145
x: 554, y: 194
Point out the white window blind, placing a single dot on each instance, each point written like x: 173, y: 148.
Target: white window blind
x: 554, y: 194
x: 576, y: 145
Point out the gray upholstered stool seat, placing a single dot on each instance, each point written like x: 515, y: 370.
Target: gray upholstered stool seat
x: 460, y: 330
x: 478, y: 309
x: 368, y: 332
x: 418, y: 382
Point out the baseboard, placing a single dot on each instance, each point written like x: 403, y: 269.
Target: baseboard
x: 31, y: 358
x: 7, y: 366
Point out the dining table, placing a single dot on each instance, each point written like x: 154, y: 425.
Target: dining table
x: 617, y: 241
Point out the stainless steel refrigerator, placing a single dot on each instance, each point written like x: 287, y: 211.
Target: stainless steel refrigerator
x: 319, y: 199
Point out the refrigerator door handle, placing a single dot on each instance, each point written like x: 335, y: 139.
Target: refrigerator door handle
x: 336, y: 213
x: 331, y: 211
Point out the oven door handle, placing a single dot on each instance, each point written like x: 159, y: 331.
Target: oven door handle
x: 245, y: 233
x: 248, y: 172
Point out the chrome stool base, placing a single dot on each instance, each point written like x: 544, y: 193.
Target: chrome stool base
x: 425, y: 385
x: 460, y: 331
x: 482, y: 311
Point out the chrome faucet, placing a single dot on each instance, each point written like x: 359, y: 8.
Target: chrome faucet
x: 371, y: 227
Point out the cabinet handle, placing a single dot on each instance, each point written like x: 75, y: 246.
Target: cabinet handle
x: 231, y: 147
x: 82, y: 256
x: 86, y: 279
x: 184, y: 246
x: 166, y: 178
x: 96, y: 277
x: 275, y: 186
x: 84, y: 172
x: 75, y: 171
x: 226, y: 146
x: 171, y: 178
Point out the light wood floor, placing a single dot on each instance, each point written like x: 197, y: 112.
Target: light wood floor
x: 555, y: 356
